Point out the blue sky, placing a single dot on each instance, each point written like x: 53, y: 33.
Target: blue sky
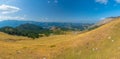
x: 80, y: 11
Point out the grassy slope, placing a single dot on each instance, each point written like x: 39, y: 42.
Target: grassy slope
x: 101, y: 43
x: 11, y: 38
x: 24, y: 48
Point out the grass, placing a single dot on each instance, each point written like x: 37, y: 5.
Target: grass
x: 101, y: 43
x: 27, y: 48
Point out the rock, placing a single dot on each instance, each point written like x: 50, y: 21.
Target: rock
x: 109, y: 37
x: 18, y: 52
x: 95, y: 49
x: 44, y: 58
x: 112, y: 40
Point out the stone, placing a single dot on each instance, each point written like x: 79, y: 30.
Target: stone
x: 112, y: 40
x: 109, y: 37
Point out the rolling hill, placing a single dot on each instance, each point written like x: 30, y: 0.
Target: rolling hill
x: 100, y: 43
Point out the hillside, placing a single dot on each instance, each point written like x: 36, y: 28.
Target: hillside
x: 101, y: 43
x: 28, y: 30
x: 11, y: 38
x: 102, y: 22
x: 31, y: 49
x: 106, y: 20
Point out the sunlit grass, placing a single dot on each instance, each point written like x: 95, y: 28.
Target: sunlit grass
x: 101, y: 43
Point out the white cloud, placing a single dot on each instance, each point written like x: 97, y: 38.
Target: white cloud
x: 6, y: 9
x: 2, y: 18
x: 118, y: 1
x: 55, y: 1
x: 102, y: 1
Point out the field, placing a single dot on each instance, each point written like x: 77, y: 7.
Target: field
x: 101, y: 43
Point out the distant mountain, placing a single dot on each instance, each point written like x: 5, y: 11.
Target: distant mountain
x: 29, y: 27
x: 12, y: 23
x: 104, y: 21
x: 73, y: 26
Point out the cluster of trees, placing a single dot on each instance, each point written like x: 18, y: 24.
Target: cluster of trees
x: 29, y: 30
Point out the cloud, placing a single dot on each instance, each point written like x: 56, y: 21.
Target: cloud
x: 102, y: 1
x: 2, y: 18
x: 6, y: 9
x: 106, y: 1
x: 55, y: 1
x: 7, y: 13
x: 118, y: 1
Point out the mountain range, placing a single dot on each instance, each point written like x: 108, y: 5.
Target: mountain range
x: 14, y: 23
